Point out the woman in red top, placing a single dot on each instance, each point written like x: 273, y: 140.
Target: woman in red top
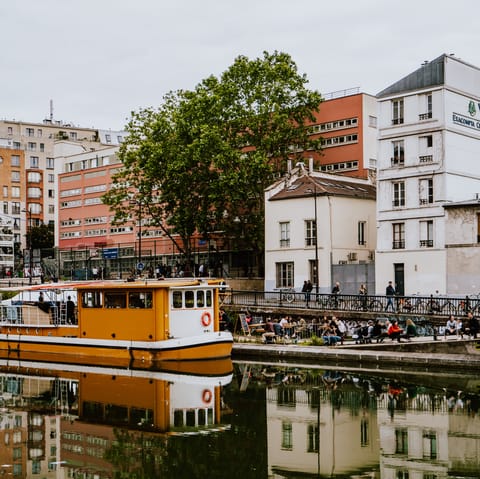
x: 394, y: 331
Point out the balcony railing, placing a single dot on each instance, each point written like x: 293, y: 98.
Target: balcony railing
x: 397, y: 161
x: 425, y: 159
x: 397, y: 121
x: 425, y: 116
x: 426, y: 243
x: 398, y: 245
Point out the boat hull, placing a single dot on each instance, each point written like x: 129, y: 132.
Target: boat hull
x: 76, y: 350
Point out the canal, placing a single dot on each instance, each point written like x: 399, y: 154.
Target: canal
x: 236, y: 420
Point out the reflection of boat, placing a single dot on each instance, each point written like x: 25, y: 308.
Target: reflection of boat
x: 95, y: 418
x: 142, y: 322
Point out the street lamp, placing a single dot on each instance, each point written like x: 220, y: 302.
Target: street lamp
x: 314, y: 191
x: 139, y: 204
x: 29, y: 239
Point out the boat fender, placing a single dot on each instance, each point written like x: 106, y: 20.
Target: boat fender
x: 207, y: 396
x: 36, y: 331
x: 206, y: 318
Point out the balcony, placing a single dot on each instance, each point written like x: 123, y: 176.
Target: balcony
x: 398, y: 245
x: 425, y: 159
x: 426, y: 243
x: 425, y: 201
x: 425, y: 116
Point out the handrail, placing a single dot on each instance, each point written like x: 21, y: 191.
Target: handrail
x: 406, y: 305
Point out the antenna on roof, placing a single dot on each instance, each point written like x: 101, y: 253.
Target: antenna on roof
x: 51, y: 110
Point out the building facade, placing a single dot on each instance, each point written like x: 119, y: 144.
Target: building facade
x: 428, y: 150
x: 317, y: 222
x: 347, y: 123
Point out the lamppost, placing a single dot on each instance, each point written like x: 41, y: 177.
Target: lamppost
x: 139, y: 216
x: 29, y: 239
x: 314, y: 191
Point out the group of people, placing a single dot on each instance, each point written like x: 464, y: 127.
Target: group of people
x: 54, y: 306
x: 366, y: 332
x: 456, y: 327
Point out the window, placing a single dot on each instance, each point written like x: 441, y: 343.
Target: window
x: 397, y: 111
x: 50, y: 163
x: 427, y: 106
x: 310, y: 233
x: 429, y: 445
x: 362, y: 240
x: 15, y: 191
x: 30, y: 131
x: 478, y: 227
x: 398, y: 236
x: 51, y: 209
x: 287, y: 436
x: 398, y: 158
x: 51, y: 193
x: 15, y: 160
x: 42, y: 147
x: 34, y: 177
x: 140, y: 300
x: 73, y: 135
x: 364, y: 439
x: 34, y: 162
x: 51, y: 178
x: 401, y: 441
x: 398, y: 194
x: 5, y: 191
x: 313, y: 437
x: 16, y: 145
x: 92, y: 299
x: 16, y: 176
x: 39, y: 132
x: 32, y: 146
x: 284, y: 275
x: 372, y: 121
x: 425, y: 191
x: 115, y: 300
x: 34, y: 192
x: 285, y: 234
x: 10, y: 130
x: 426, y: 234
x: 35, y: 208
x: 5, y: 207
x: 15, y: 208
x: 108, y: 138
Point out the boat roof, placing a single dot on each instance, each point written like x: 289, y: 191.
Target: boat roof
x: 119, y: 284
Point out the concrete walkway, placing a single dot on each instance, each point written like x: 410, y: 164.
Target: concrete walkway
x: 421, y: 354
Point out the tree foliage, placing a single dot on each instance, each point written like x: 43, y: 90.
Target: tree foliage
x: 203, y: 158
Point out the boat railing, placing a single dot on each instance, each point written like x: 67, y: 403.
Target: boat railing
x: 31, y: 314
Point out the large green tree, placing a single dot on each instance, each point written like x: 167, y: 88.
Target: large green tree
x: 201, y: 161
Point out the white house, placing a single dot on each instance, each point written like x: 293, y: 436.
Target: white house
x: 428, y: 156
x: 343, y: 244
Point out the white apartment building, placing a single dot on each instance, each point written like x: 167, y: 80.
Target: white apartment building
x: 428, y: 156
x: 343, y: 243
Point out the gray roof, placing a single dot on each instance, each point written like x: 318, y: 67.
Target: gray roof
x: 428, y: 75
x: 324, y: 186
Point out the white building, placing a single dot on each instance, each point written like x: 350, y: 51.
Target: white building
x: 429, y: 132
x: 344, y: 210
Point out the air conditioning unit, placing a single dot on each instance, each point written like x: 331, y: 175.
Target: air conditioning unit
x: 352, y: 256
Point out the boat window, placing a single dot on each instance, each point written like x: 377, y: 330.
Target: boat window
x: 200, y: 299
x: 189, y: 299
x: 141, y: 299
x: 177, y: 299
x: 92, y: 299
x: 209, y: 298
x: 115, y: 300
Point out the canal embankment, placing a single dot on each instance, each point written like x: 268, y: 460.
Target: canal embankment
x: 420, y: 354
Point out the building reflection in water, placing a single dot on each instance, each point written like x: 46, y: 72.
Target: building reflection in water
x: 61, y: 421
x: 342, y: 425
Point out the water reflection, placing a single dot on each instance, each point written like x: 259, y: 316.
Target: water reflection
x: 246, y: 420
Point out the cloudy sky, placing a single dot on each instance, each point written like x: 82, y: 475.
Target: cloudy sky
x: 98, y: 60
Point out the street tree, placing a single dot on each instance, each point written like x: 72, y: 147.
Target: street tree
x: 200, y: 162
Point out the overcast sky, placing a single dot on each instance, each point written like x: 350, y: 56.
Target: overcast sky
x: 98, y: 60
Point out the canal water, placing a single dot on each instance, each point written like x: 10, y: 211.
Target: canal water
x: 236, y: 420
